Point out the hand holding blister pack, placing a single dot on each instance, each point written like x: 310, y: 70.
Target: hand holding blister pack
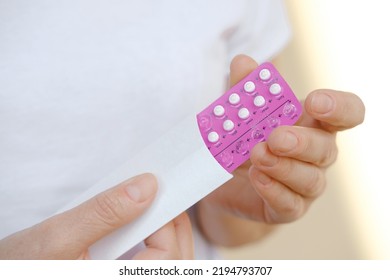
x: 199, y: 154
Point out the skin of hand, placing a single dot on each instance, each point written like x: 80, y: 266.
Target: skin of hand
x: 285, y: 174
x: 68, y: 235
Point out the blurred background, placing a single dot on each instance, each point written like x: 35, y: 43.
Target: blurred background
x: 340, y: 44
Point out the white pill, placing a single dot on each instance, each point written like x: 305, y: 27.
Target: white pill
x: 228, y: 125
x: 259, y: 101
x: 243, y: 113
x: 275, y: 89
x: 249, y: 86
x: 265, y: 74
x: 234, y: 99
x: 219, y: 110
x: 213, y: 137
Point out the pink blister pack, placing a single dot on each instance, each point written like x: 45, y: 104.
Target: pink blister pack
x: 246, y: 115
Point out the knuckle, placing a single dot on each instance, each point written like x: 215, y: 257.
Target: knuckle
x: 303, y: 146
x: 292, y: 209
x: 285, y: 169
x: 285, y: 210
x: 330, y: 156
x: 107, y: 210
x: 315, y: 184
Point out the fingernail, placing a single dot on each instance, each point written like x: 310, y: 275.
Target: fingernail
x: 322, y: 103
x: 141, y: 188
x: 289, y: 142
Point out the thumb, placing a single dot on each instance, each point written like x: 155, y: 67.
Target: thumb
x: 83, y: 225
x: 240, y: 67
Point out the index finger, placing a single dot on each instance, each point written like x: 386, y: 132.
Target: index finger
x: 336, y: 110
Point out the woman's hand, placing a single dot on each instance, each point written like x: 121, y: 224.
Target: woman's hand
x: 285, y: 174
x: 68, y: 235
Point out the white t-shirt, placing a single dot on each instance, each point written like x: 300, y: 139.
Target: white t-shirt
x: 85, y: 84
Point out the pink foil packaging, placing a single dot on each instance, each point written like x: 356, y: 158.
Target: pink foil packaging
x: 246, y: 115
